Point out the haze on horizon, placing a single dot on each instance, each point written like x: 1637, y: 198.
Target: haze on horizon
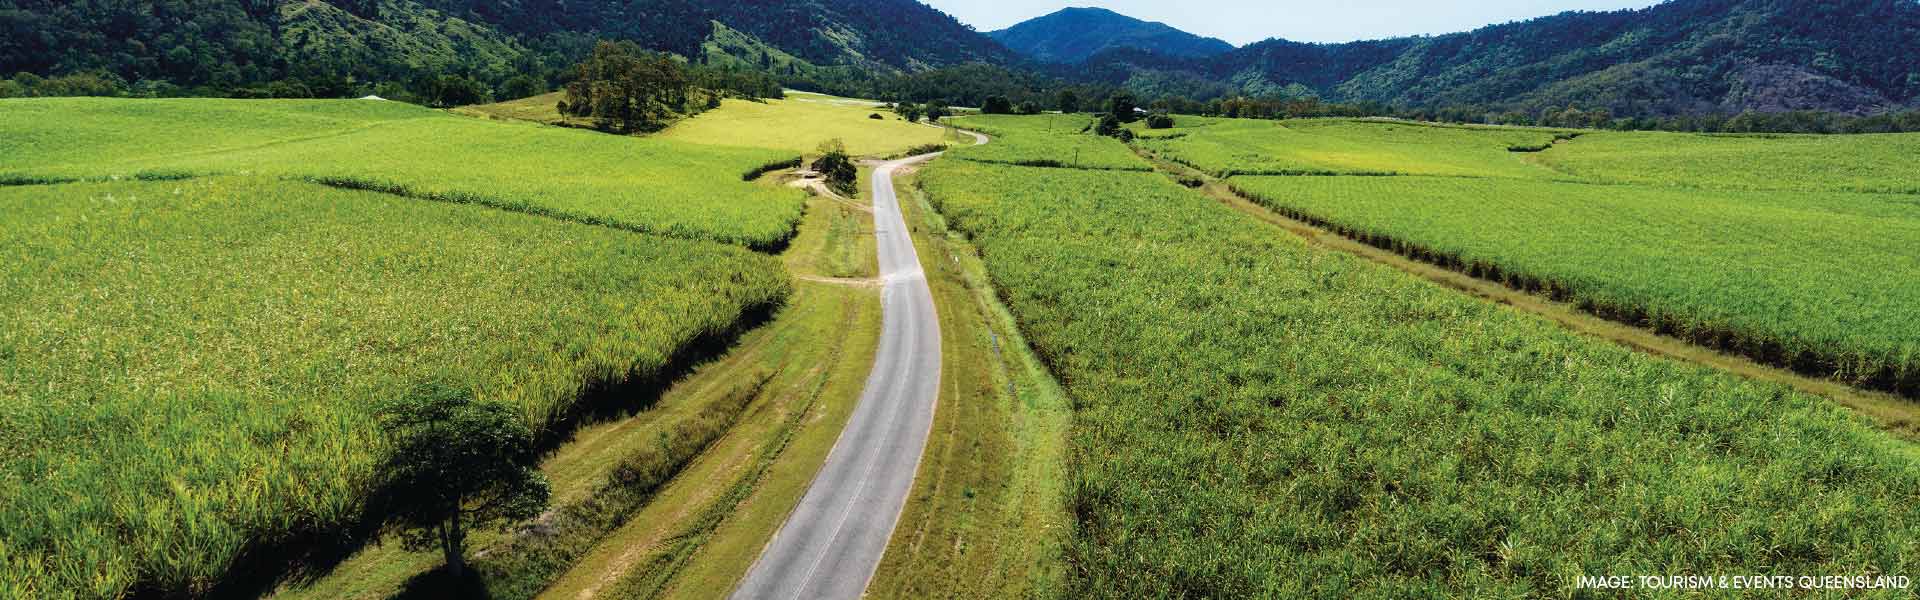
x: 1241, y: 22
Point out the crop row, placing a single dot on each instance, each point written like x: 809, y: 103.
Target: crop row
x: 1045, y: 141
x: 1819, y: 282
x: 1260, y: 418
x: 1886, y: 163
x: 673, y: 188
x: 1228, y: 147
x: 189, y: 369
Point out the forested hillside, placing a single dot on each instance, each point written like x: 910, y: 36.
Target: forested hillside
x: 1683, y: 56
x: 339, y: 47
x: 1074, y: 34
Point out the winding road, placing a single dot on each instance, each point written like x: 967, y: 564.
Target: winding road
x: 831, y: 544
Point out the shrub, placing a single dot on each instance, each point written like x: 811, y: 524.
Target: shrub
x: 1121, y: 106
x: 522, y: 86
x: 448, y: 91
x: 996, y: 105
x: 836, y: 167
x: 1159, y: 121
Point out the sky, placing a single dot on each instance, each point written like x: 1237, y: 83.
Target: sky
x: 1242, y: 22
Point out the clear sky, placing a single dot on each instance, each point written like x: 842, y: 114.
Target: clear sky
x: 1241, y: 22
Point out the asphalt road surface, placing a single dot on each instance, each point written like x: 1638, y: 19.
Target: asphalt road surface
x: 831, y: 544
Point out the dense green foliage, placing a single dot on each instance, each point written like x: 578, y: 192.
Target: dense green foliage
x: 398, y: 48
x: 1071, y: 35
x: 1684, y: 57
x: 662, y: 186
x: 837, y: 168
x: 892, y: 34
x: 459, y: 465
x: 1259, y: 418
x: 625, y: 88
x: 190, y: 370
x: 1678, y: 57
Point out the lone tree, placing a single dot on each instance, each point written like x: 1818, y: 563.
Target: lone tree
x: 1068, y: 101
x: 458, y: 464
x: 447, y: 91
x: 837, y: 167
x: 996, y: 105
x: 626, y: 88
x: 1121, y: 106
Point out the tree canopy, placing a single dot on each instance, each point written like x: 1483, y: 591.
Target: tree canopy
x: 457, y: 464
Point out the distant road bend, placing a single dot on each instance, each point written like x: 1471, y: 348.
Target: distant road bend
x: 831, y: 544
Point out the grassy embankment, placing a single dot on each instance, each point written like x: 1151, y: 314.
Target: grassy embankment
x: 1752, y: 245
x: 986, y: 514
x: 987, y: 517
x: 1259, y: 417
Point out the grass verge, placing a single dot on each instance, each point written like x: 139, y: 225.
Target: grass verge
x: 987, y: 516
x: 626, y: 485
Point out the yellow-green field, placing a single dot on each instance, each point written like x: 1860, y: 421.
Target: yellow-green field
x: 685, y: 190
x: 189, y: 369
x: 801, y: 122
x: 799, y: 375
x: 1260, y: 417
x: 1783, y: 248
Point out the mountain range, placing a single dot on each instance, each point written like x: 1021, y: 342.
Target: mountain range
x: 1074, y: 34
x: 1679, y: 57
x: 1682, y: 56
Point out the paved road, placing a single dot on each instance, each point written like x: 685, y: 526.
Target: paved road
x: 832, y: 542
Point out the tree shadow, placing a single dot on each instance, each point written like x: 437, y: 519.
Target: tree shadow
x: 438, y: 584
x: 310, y: 553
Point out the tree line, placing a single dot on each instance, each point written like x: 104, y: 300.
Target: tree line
x: 996, y: 90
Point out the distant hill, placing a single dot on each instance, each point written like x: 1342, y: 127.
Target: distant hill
x: 391, y: 42
x: 1074, y: 34
x: 899, y: 35
x: 1683, y: 56
x: 1680, y: 57
x: 251, y: 42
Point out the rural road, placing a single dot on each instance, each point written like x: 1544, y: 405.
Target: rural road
x: 831, y: 544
